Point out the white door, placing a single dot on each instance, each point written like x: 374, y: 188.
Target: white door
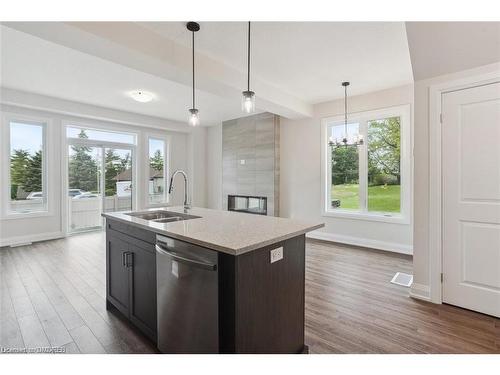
x: 471, y: 198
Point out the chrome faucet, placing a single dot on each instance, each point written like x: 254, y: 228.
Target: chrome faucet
x: 187, y: 205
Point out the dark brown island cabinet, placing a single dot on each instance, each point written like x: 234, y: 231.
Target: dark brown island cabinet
x: 254, y: 305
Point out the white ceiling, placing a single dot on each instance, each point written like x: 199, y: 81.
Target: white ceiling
x: 294, y: 65
x: 35, y: 65
x: 307, y: 59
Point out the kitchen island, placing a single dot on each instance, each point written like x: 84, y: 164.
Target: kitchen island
x: 209, y: 281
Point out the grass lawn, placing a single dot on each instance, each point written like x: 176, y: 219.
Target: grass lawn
x: 380, y: 198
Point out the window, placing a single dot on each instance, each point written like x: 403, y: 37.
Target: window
x: 157, y: 179
x: 27, y: 172
x: 384, y: 165
x: 370, y: 180
x: 345, y: 171
x: 101, y: 175
x: 100, y: 135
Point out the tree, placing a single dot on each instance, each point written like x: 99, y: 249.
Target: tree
x: 156, y: 161
x: 18, y: 164
x: 114, y: 165
x: 126, y: 162
x: 33, y: 180
x: 384, y: 148
x: 83, y: 171
x: 344, y: 165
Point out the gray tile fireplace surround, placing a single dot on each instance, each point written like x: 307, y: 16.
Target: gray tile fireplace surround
x: 250, y: 158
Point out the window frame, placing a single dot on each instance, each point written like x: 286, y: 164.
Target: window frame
x: 104, y: 129
x: 88, y: 124
x: 5, y: 210
x: 403, y: 217
x: 166, y: 168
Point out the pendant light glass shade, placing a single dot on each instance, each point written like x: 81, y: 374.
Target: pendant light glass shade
x: 248, y: 97
x: 194, y: 117
x: 248, y: 102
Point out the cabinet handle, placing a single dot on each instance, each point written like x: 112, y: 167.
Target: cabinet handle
x: 193, y: 262
x: 124, y: 263
x: 129, y: 259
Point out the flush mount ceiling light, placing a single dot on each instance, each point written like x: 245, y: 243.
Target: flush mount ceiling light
x: 194, y: 118
x: 347, y: 139
x: 141, y: 96
x: 248, y: 98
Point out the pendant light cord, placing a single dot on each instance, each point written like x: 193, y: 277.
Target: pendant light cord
x: 345, y: 109
x: 193, y: 70
x: 248, y: 62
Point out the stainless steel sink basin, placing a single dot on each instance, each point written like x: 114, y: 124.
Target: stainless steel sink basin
x: 162, y: 216
x: 169, y: 219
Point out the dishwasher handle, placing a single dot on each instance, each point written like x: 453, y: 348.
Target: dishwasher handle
x: 193, y: 262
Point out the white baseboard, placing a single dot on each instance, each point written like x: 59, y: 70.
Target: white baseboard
x: 420, y: 291
x: 362, y: 242
x: 12, y: 241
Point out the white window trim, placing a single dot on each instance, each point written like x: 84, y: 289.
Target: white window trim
x: 166, y: 168
x: 47, y: 153
x: 404, y: 217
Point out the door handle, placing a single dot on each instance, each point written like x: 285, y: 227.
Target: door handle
x: 195, y: 263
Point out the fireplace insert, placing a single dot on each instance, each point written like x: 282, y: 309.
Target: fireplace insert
x: 248, y: 204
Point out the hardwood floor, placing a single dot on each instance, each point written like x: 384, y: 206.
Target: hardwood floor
x: 351, y: 307
x: 53, y: 294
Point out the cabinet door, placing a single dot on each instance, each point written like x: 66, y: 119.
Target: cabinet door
x: 143, y: 287
x: 117, y: 275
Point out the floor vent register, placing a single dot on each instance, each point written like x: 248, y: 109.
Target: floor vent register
x: 403, y: 279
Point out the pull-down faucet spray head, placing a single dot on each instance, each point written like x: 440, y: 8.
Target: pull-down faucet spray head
x: 186, y: 187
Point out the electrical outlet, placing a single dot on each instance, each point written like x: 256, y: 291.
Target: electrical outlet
x: 276, y: 254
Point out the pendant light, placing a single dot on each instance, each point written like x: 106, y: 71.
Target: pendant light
x: 194, y: 118
x: 347, y: 140
x: 248, y: 98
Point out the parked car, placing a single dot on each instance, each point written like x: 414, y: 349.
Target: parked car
x: 86, y: 196
x: 35, y: 195
x: 75, y: 192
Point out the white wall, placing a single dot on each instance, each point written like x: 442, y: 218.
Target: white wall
x: 421, y: 259
x: 300, y: 185
x: 187, y: 151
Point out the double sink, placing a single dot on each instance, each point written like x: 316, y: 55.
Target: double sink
x: 162, y: 216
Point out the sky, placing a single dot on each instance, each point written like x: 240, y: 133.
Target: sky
x: 156, y: 144
x: 27, y: 137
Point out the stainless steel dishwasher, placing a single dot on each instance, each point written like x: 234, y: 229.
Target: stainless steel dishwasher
x: 187, y: 297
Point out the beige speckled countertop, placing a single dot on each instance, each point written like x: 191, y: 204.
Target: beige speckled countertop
x: 229, y: 232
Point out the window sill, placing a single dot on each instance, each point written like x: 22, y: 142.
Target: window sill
x: 379, y: 217
x: 25, y: 215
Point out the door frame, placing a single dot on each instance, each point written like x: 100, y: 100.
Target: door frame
x: 99, y: 144
x: 436, y: 92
